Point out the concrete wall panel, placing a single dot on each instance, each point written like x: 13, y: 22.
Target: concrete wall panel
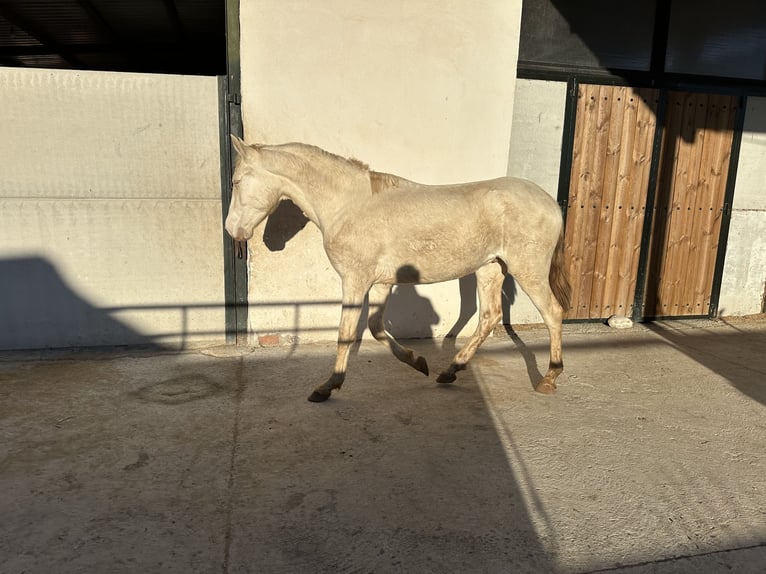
x: 744, y: 278
x: 110, y: 211
x: 538, y: 126
x: 95, y: 134
x: 750, y: 190
x: 535, y: 154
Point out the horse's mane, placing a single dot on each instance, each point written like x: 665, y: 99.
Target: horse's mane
x: 383, y: 181
x: 304, y: 150
x: 378, y: 181
x: 297, y: 153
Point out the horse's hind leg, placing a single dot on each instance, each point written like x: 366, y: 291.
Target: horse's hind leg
x: 489, y: 281
x: 539, y: 290
x: 378, y: 297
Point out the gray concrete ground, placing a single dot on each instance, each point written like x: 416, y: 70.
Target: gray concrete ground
x: 650, y: 458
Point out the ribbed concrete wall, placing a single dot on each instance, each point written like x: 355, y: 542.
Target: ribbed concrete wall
x: 110, y: 210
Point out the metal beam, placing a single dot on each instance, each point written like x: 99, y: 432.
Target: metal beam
x: 10, y: 62
x: 39, y: 35
x: 175, y: 19
x: 97, y: 18
x: 200, y: 47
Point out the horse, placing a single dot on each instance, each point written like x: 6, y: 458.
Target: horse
x: 381, y: 230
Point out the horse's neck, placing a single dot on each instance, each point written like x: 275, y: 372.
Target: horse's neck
x: 321, y: 185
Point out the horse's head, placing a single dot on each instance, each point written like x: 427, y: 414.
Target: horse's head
x: 255, y: 192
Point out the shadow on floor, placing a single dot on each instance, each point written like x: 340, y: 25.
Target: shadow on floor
x: 223, y: 465
x: 733, y: 351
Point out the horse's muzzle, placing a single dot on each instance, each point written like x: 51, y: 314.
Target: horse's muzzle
x: 237, y: 232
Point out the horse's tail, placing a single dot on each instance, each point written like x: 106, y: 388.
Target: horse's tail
x: 557, y: 276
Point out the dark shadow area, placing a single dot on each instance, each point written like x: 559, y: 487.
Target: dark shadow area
x: 37, y: 307
x: 399, y: 476
x: 282, y: 225
x: 660, y: 44
x: 530, y: 359
x: 165, y: 37
x: 733, y: 352
x: 468, y: 308
x: 394, y: 476
x: 509, y: 296
x: 411, y: 315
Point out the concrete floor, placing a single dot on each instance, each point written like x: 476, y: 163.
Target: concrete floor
x: 650, y: 458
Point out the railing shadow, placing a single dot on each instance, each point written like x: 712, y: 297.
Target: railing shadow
x: 39, y: 310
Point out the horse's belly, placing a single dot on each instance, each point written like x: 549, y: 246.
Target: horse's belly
x: 426, y: 261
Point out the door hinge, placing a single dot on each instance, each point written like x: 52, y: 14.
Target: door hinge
x: 726, y: 209
x: 235, y: 99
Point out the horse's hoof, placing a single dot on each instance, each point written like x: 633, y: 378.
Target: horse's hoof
x: 318, y: 397
x: 421, y: 365
x: 546, y: 387
x: 446, y: 377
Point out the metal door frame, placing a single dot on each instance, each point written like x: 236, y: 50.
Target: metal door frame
x: 230, y: 122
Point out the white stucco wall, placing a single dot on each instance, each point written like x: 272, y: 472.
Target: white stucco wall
x: 110, y: 210
x: 744, y: 277
x: 421, y: 89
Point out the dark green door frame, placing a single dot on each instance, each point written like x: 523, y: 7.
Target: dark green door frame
x: 230, y: 122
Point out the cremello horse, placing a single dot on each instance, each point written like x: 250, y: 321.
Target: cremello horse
x: 380, y: 230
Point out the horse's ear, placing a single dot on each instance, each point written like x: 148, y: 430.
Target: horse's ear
x: 239, y: 145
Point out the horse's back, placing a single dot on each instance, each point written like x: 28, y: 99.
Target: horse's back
x: 445, y: 231
x: 499, y: 200
x: 513, y: 189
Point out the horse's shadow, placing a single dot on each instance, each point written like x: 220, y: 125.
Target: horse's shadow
x: 413, y: 315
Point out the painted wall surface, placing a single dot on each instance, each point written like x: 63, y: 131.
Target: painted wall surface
x: 535, y: 154
x: 421, y: 89
x: 110, y: 210
x: 744, y: 277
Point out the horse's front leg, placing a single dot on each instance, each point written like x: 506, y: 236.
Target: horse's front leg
x: 378, y: 298
x: 353, y: 299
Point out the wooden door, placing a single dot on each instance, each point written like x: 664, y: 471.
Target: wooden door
x: 609, y: 179
x: 689, y: 206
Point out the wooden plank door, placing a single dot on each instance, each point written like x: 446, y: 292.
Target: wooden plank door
x: 689, y: 206
x: 609, y: 179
